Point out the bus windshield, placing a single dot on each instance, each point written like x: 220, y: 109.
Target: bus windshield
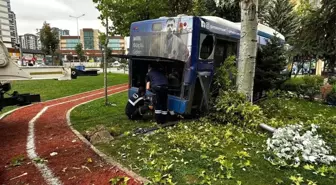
x: 165, y: 37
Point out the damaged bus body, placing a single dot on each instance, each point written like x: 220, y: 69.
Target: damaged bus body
x: 189, y: 49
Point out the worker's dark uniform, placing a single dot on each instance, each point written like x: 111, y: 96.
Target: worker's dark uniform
x: 136, y: 107
x: 159, y: 86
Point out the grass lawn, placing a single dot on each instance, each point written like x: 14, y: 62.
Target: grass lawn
x: 51, y: 89
x: 114, y: 118
x: 200, y: 152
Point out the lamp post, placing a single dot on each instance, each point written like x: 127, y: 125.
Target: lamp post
x: 77, y: 17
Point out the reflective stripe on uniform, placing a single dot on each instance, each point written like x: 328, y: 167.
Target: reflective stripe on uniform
x: 158, y: 112
x: 164, y: 112
x: 135, y: 102
x: 172, y: 113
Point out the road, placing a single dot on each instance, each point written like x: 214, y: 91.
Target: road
x: 50, y: 152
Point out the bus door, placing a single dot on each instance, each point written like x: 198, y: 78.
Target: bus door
x: 205, y: 68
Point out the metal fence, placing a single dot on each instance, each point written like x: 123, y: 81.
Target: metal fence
x: 86, y: 64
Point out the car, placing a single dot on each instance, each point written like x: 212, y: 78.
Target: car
x: 116, y: 64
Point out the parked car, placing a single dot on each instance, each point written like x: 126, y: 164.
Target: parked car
x: 116, y: 64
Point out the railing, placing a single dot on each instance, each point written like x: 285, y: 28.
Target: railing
x: 86, y: 64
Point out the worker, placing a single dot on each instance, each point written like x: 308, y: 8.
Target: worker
x: 157, y: 83
x: 136, y: 106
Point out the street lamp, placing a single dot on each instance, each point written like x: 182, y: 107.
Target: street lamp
x: 77, y: 17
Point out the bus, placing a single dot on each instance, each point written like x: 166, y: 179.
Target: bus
x: 189, y: 49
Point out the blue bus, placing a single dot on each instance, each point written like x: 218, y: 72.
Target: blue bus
x: 189, y: 49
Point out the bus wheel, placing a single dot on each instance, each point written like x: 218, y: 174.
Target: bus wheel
x: 74, y: 74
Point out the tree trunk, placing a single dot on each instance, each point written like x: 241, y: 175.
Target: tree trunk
x: 248, y: 47
x: 291, y: 70
x: 105, y: 61
x: 52, y: 59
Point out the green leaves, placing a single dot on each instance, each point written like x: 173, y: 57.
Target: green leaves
x: 231, y: 107
x: 49, y: 39
x: 297, y: 180
x: 17, y: 161
x: 119, y: 180
x: 80, y: 52
x: 282, y: 18
x: 308, y: 167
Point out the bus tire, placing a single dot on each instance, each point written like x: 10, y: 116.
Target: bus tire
x: 74, y: 74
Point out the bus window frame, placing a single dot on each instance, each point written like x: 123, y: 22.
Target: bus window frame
x: 206, y: 33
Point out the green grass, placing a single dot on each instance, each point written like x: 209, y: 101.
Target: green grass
x: 291, y: 109
x: 182, y: 153
x: 89, y: 115
x: 51, y: 89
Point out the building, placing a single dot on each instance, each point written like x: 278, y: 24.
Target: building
x: 29, y: 41
x: 5, y: 31
x: 61, y: 32
x: 117, y: 44
x: 68, y: 42
x: 22, y: 41
x: 13, y: 29
x: 127, y: 45
x: 90, y: 38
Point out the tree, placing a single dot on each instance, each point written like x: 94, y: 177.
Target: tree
x: 230, y: 10
x: 80, y: 52
x: 123, y: 13
x: 123, y: 65
x: 176, y: 7
x: 316, y: 36
x: 248, y: 47
x: 204, y: 7
x: 69, y: 58
x: 271, y: 60
x: 282, y: 18
x: 49, y: 40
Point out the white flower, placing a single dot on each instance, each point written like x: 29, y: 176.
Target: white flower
x: 288, y: 143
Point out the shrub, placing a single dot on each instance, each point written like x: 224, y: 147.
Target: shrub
x: 225, y: 75
x: 232, y: 107
x: 332, y: 80
x: 325, y: 90
x: 293, y: 85
x: 311, y: 86
x: 331, y: 97
x: 307, y: 86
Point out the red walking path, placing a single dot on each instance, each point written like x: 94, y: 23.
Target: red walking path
x: 37, y: 131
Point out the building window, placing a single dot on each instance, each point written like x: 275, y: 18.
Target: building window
x: 88, y: 40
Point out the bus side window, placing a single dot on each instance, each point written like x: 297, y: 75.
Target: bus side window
x: 206, y: 47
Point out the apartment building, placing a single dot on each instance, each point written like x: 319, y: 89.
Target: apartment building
x: 5, y: 31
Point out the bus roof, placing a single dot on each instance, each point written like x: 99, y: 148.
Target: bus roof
x: 263, y: 30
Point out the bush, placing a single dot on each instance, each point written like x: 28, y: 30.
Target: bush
x: 332, y: 80
x: 307, y: 86
x: 232, y: 107
x: 331, y: 97
x: 293, y: 85
x: 225, y: 76
x: 325, y: 90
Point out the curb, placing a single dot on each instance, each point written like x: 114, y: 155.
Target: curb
x: 2, y: 116
x: 108, y: 159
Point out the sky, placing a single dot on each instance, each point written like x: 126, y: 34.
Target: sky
x: 30, y: 14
